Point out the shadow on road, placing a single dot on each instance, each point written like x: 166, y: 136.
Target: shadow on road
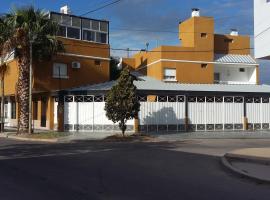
x: 85, y: 170
x: 28, y: 149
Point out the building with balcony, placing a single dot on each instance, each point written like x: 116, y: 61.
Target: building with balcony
x: 86, y: 60
x: 203, y: 56
x: 208, y: 83
x: 262, y: 28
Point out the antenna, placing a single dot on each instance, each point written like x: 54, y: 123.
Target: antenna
x: 147, y: 46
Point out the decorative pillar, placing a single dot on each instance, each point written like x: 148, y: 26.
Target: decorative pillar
x: 136, y: 125
x: 186, y: 113
x: 50, y: 113
x: 60, y: 114
x: 245, y: 119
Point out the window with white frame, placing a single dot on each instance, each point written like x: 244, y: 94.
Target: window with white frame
x: 169, y: 74
x: 60, y: 70
x: 82, y: 28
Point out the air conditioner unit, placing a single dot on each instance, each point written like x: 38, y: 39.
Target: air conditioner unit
x: 76, y: 65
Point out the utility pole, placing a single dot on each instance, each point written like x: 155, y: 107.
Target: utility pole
x: 128, y: 52
x: 147, y: 46
x: 30, y: 85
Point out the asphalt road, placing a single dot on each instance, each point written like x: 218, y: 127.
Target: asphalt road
x: 122, y: 171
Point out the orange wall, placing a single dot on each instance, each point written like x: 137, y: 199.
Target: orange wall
x: 190, y: 33
x: 190, y: 72
x: 186, y: 72
x: 240, y: 44
x: 11, y: 77
x: 89, y: 73
x: 194, y: 47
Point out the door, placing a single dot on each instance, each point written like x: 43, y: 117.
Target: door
x: 216, y: 77
x: 44, y: 104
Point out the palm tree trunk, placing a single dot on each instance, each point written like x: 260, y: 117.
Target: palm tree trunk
x: 2, y: 103
x: 23, y: 94
x: 2, y: 98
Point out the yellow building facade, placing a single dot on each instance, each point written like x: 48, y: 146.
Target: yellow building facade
x: 86, y: 60
x: 199, y: 58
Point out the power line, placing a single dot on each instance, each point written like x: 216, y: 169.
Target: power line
x: 166, y: 31
x: 91, y: 11
x: 150, y: 51
x: 268, y: 28
x: 99, y: 8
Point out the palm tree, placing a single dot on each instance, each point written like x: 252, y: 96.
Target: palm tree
x: 32, y: 30
x: 4, y: 34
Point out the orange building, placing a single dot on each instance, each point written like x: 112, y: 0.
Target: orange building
x: 86, y: 60
x: 203, y: 57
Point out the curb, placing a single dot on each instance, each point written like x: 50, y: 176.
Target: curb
x: 30, y: 139
x: 247, y: 158
x: 228, y: 165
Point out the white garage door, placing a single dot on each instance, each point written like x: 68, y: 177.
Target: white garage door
x: 86, y: 113
x: 165, y: 113
x: 258, y: 112
x: 215, y: 113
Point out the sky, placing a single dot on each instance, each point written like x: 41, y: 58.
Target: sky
x: 133, y: 23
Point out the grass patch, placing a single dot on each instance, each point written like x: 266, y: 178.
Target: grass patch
x: 128, y: 138
x: 47, y: 135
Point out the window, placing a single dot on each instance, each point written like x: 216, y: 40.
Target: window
x: 101, y: 37
x: 62, y: 31
x: 6, y: 110
x: 56, y: 18
x: 97, y: 63
x: 241, y: 69
x: 73, y: 33
x: 95, y: 25
x: 89, y: 35
x: 86, y: 23
x: 66, y: 20
x: 60, y: 70
x: 203, y: 35
x: 13, y: 110
x: 170, y: 74
x: 204, y: 66
x: 76, y: 22
x: 103, y: 26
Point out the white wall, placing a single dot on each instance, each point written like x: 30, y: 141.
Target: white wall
x: 262, y: 28
x: 232, y: 75
x: 88, y: 113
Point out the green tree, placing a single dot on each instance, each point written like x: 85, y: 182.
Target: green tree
x: 4, y: 34
x: 121, y: 101
x: 30, y: 28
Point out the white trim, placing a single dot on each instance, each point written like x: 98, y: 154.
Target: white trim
x: 84, y: 56
x: 170, y: 80
x: 198, y: 62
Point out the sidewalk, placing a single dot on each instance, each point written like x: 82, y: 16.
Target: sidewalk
x: 174, y: 136
x: 72, y: 137
x: 252, y: 162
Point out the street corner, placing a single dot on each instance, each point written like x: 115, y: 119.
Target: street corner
x: 253, y: 163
